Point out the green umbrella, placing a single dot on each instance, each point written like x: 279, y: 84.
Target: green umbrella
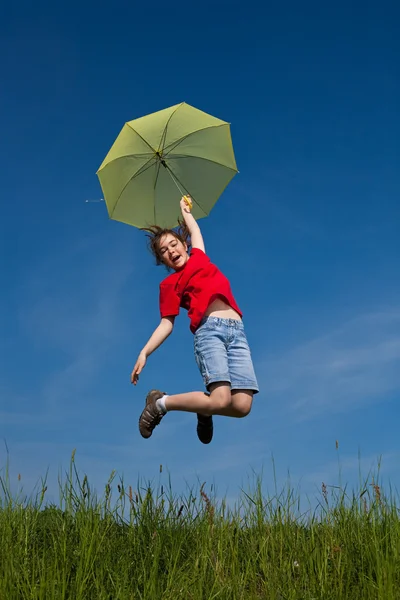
x: 159, y: 158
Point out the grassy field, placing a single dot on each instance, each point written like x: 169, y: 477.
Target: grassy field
x: 149, y: 544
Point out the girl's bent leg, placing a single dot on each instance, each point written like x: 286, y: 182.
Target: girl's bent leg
x: 217, y: 400
x: 220, y: 401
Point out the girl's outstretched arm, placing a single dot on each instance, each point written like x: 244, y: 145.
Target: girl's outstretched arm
x: 158, y: 336
x: 191, y: 224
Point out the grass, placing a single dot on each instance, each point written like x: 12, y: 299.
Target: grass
x: 150, y: 544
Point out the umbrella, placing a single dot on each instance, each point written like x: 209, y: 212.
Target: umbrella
x: 160, y: 157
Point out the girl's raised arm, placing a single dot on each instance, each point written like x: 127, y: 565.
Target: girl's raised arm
x: 191, y: 223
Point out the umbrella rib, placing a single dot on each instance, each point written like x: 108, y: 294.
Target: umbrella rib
x: 192, y: 133
x: 155, y: 185
x: 142, y: 138
x: 157, y: 174
x: 164, y: 134
x: 207, y: 160
x: 127, y: 156
x: 142, y: 170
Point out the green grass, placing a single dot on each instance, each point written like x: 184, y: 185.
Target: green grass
x: 150, y: 544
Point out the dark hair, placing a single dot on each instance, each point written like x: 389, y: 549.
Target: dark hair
x: 154, y: 233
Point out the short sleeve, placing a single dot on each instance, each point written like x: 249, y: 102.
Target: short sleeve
x: 199, y: 255
x: 169, y: 300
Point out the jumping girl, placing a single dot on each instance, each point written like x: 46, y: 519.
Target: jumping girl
x: 220, y: 345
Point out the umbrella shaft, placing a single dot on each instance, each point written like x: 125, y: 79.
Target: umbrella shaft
x: 174, y: 180
x: 164, y: 164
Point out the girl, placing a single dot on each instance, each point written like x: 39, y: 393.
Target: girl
x: 220, y: 345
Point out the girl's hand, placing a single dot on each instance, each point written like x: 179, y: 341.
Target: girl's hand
x: 186, y: 204
x: 137, y: 369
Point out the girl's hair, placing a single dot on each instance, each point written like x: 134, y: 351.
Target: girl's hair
x: 154, y: 233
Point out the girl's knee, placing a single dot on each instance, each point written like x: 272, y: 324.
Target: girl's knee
x: 221, y: 398
x: 242, y: 402
x: 243, y: 409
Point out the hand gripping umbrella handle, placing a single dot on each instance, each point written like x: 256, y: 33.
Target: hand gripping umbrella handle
x: 188, y: 201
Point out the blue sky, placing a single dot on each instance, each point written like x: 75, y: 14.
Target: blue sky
x: 307, y: 234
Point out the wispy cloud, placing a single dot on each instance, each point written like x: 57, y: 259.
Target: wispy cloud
x: 71, y: 313
x: 355, y: 364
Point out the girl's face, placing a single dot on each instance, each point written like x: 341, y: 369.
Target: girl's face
x: 173, y: 252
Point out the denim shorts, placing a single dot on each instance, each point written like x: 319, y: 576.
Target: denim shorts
x: 223, y: 354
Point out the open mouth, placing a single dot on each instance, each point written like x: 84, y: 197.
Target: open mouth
x: 175, y: 259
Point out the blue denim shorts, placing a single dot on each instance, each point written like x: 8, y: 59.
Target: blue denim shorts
x: 223, y: 354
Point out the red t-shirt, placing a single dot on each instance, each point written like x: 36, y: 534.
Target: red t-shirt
x: 194, y: 288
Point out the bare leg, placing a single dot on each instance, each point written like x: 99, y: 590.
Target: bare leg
x: 242, y: 401
x: 221, y: 401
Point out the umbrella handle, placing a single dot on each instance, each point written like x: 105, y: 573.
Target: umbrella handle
x: 188, y: 201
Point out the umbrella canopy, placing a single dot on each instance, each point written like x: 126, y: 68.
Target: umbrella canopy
x: 160, y: 157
